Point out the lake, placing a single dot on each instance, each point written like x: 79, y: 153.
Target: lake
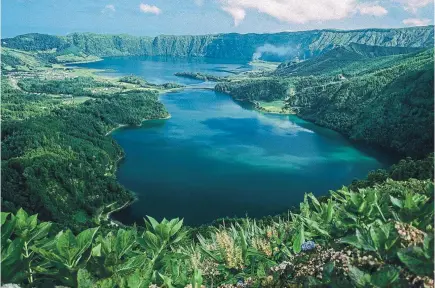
x: 215, y: 157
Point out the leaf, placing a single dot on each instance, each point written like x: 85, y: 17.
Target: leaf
x: 153, y: 222
x: 351, y: 240
x: 84, y: 240
x: 32, y: 221
x: 132, y: 263
x: 176, y: 228
x: 7, y: 230
x: 300, y: 238
x: 151, y: 240
x: 66, y: 245
x: 358, y: 277
x: 329, y: 212
x: 3, y: 217
x: 124, y: 241
x: 415, y: 260
x: 12, y: 254
x: 328, y: 269
x: 135, y: 280
x: 312, y: 224
x: 163, y: 230
x: 396, y: 202
x: 84, y: 279
x: 385, y: 276
x: 40, y: 232
x: 96, y: 251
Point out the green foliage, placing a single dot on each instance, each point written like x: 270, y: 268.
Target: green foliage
x: 229, y: 46
x: 57, y: 159
x: 356, y: 245
x: 200, y: 76
x: 389, y: 105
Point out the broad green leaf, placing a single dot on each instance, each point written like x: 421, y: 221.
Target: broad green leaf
x: 32, y: 221
x: 386, y: 276
x: 136, y: 280
x: 40, y: 232
x: 299, y: 239
x: 176, y: 228
x: 163, y: 231
x: 124, y: 241
x: 84, y: 240
x: 151, y: 240
x: 414, y: 258
x: 96, y: 251
x: 131, y: 264
x: 66, y: 245
x: 12, y: 254
x: 84, y: 279
x: 358, y: 277
x: 3, y: 217
x: 396, y: 202
x: 8, y: 229
x: 153, y: 222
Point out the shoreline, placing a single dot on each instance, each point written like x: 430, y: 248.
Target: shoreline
x: 127, y: 125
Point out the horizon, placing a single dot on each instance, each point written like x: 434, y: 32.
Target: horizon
x: 208, y: 17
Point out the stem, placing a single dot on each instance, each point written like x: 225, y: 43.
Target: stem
x: 27, y: 256
x: 380, y: 211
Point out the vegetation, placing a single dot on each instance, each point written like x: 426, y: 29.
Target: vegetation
x: 200, y: 76
x: 389, y: 106
x: 58, y: 165
x: 304, y: 44
x: 380, y: 236
x: 56, y: 159
x: 136, y: 80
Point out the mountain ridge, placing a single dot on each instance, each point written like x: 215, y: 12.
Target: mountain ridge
x: 302, y: 44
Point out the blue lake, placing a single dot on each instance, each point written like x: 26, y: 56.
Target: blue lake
x: 215, y: 157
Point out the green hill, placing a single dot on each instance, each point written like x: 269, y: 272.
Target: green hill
x: 387, y: 102
x: 303, y: 44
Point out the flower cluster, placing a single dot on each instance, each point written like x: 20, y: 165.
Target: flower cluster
x: 209, y: 268
x: 311, y: 264
x: 308, y: 245
x: 262, y: 246
x: 233, y: 254
x: 409, y: 235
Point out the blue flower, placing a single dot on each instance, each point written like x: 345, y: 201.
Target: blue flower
x: 308, y: 245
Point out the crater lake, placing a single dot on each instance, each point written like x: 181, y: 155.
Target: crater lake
x: 218, y: 158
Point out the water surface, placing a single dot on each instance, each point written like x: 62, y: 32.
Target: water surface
x: 217, y: 158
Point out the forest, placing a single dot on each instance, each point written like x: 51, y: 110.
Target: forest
x: 59, y: 164
x: 387, y: 102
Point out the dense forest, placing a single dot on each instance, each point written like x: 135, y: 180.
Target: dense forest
x: 58, y: 166
x: 56, y: 159
x: 388, y: 101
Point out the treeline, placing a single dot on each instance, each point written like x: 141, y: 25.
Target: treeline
x: 381, y: 236
x: 200, y: 76
x: 136, y: 80
x: 77, y: 86
x: 57, y: 160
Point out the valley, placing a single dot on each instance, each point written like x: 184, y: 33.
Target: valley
x: 100, y: 132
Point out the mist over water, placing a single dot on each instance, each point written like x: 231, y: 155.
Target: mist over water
x: 217, y: 158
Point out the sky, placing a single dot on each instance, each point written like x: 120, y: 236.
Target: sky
x: 182, y: 17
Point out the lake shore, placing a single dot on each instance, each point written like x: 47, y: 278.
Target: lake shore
x: 127, y: 125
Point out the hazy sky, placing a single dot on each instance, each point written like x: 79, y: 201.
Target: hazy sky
x: 153, y: 17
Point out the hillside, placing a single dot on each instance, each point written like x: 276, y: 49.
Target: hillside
x: 237, y: 46
x: 387, y: 102
x: 348, y: 59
